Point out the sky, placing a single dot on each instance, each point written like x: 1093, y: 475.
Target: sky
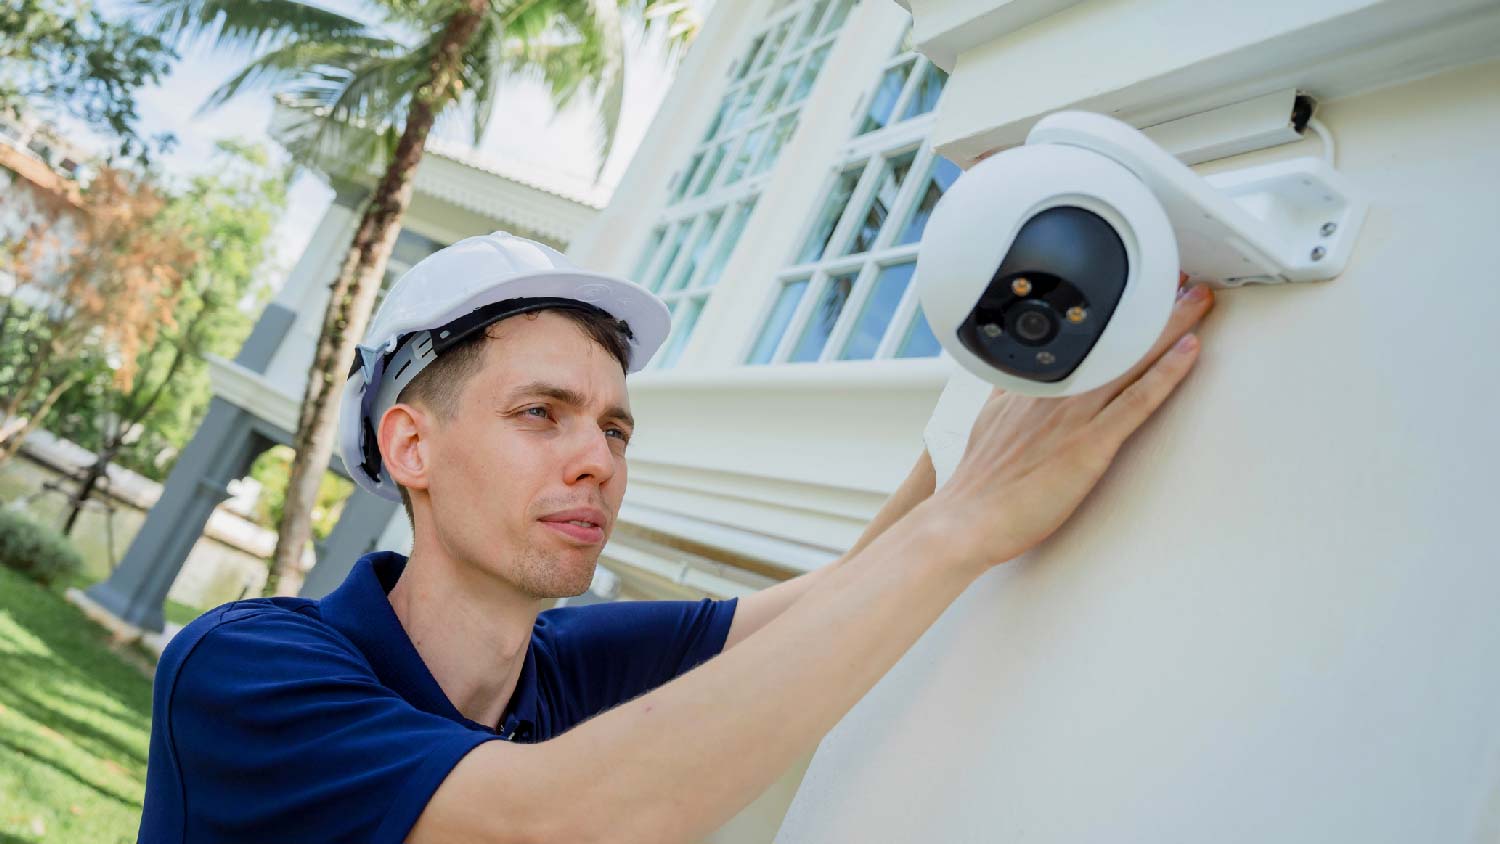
x: 558, y: 149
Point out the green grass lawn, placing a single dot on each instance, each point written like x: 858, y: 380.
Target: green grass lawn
x: 75, y: 716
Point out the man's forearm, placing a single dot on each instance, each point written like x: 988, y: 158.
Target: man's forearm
x: 757, y: 610
x: 674, y: 764
x: 765, y: 704
x: 917, y: 487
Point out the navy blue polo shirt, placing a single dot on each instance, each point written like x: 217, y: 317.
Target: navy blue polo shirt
x: 291, y: 720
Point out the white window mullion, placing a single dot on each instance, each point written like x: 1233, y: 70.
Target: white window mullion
x: 911, y: 189
x: 869, y: 180
x: 800, y: 317
x: 895, y: 332
x: 908, y: 90
x: 863, y: 284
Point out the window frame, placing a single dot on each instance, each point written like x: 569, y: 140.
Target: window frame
x: 873, y: 150
x: 693, y: 193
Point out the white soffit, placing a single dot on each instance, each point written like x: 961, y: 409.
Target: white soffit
x: 944, y: 29
x: 1151, y: 61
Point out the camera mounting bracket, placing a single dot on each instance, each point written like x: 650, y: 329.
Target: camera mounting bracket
x: 1288, y: 221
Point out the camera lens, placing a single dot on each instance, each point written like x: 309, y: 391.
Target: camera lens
x: 1032, y: 326
x: 1033, y: 323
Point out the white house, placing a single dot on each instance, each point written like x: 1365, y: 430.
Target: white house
x: 1273, y: 621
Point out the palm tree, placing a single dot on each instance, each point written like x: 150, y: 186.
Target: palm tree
x: 369, y: 88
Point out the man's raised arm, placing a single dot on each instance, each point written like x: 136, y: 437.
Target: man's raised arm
x: 754, y: 611
x: 674, y: 764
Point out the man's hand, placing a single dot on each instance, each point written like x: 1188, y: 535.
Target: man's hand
x: 1030, y: 461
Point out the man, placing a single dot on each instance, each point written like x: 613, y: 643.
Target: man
x: 430, y: 699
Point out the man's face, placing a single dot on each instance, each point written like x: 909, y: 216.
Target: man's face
x: 539, y: 433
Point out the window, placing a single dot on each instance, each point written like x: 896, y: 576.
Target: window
x: 847, y: 294
x: 409, y: 249
x: 710, y: 201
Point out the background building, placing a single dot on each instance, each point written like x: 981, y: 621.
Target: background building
x: 1273, y: 621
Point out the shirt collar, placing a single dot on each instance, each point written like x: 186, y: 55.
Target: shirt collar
x: 360, y: 608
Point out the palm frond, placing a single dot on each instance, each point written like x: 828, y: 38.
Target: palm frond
x: 353, y: 116
x: 293, y: 62
x: 254, y: 26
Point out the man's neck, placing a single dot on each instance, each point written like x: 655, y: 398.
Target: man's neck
x: 470, y: 628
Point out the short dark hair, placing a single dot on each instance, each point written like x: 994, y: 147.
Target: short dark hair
x: 439, y: 386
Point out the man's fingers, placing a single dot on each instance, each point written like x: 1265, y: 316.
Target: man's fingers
x: 1192, y: 304
x: 1133, y: 406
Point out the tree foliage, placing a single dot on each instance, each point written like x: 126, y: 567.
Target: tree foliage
x: 65, y: 55
x: 227, y: 215
x: 108, y: 281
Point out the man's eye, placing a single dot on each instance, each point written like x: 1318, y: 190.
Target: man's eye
x: 624, y: 436
x: 543, y: 411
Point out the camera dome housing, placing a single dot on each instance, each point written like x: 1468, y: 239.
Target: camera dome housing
x: 1048, y: 270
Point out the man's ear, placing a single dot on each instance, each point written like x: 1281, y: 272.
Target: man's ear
x: 403, y: 438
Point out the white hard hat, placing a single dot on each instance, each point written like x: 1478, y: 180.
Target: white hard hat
x: 455, y: 292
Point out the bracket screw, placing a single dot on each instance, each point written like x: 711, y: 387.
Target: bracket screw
x: 1318, y: 253
x: 1328, y: 229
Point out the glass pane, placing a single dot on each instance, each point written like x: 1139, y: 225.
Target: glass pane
x: 742, y: 108
x: 695, y: 254
x: 779, y: 137
x: 726, y: 246
x: 833, y: 209
x: 824, y: 316
x: 749, y: 151
x: 891, y: 179
x: 810, y: 25
x: 944, y: 172
x: 706, y: 175
x: 837, y: 16
x: 686, y: 318
x: 768, y: 55
x: 918, y: 342
x: 750, y: 56
x: 778, y: 88
x: 929, y: 88
x: 876, y: 314
x: 781, y: 314
x: 645, y: 260
x: 687, y: 178
x: 886, y: 95
x: 410, y: 248
x: 675, y: 246
x: 728, y: 102
x: 809, y: 75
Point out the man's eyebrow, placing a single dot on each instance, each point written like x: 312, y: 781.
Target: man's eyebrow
x: 569, y: 397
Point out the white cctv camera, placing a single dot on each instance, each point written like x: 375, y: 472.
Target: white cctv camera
x: 1051, y: 268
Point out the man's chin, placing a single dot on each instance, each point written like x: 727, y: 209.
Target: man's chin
x: 570, y: 583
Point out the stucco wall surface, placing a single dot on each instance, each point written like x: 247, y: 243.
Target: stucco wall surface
x: 1277, y: 617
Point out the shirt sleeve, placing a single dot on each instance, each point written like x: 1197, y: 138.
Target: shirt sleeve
x: 610, y: 653
x: 280, y: 731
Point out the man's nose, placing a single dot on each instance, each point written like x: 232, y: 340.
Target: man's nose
x: 592, y: 457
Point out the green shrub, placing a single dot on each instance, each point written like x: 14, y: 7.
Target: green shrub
x: 37, y: 551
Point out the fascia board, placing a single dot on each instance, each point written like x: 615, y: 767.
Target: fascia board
x: 1151, y: 61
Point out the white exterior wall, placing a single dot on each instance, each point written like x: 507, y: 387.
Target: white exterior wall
x: 1275, y: 620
